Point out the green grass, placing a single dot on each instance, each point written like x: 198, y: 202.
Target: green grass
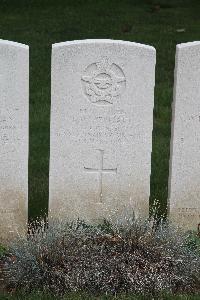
x: 42, y: 23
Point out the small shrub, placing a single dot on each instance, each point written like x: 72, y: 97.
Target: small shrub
x: 2, y: 250
x: 130, y: 258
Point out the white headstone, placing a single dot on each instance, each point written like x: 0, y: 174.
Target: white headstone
x: 101, y: 129
x: 184, y: 179
x: 14, y: 93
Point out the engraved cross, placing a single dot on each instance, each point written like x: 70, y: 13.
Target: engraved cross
x: 100, y: 171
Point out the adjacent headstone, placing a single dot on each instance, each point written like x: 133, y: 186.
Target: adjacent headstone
x: 184, y: 179
x: 101, y: 129
x: 14, y: 86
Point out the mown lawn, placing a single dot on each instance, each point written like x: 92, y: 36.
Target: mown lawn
x: 40, y: 23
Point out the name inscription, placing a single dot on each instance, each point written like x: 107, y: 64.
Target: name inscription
x: 89, y: 127
x: 7, y: 131
x: 8, y: 210
x: 189, y: 212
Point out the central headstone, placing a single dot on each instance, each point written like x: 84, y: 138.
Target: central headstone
x: 101, y: 129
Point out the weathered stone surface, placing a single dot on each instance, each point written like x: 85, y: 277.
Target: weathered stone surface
x: 14, y: 85
x: 101, y: 129
x: 184, y: 179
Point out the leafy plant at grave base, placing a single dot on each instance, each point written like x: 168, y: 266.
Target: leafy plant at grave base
x: 105, y: 259
x: 2, y: 250
x: 193, y: 241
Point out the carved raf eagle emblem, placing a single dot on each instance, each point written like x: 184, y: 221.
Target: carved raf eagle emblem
x: 103, y: 82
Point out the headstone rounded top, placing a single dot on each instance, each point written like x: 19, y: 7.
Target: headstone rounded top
x: 14, y: 44
x: 188, y: 45
x: 103, y: 41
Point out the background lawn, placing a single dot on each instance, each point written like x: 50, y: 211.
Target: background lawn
x: 40, y: 23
